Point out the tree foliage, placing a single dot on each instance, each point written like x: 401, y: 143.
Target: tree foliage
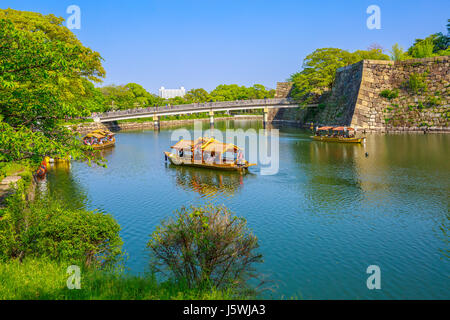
x: 397, y: 53
x: 49, y: 228
x: 205, y: 245
x: 319, y: 69
x: 133, y: 95
x: 45, y: 76
x: 434, y: 45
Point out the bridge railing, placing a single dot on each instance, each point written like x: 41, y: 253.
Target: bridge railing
x: 193, y: 106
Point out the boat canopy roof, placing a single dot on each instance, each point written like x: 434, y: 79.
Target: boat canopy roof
x: 219, y: 147
x: 99, y: 134
x: 324, y: 128
x: 183, y: 144
x: 104, y: 132
x: 94, y: 135
x: 342, y: 129
x: 207, y: 144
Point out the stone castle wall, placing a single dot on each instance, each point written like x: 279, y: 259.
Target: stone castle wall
x: 356, y: 98
x: 409, y: 108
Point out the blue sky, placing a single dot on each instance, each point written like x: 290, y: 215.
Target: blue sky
x: 204, y: 43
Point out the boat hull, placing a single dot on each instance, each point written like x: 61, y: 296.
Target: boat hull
x: 185, y: 162
x: 108, y: 144
x: 339, y: 139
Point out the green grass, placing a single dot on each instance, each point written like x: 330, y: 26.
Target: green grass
x: 41, y: 279
x: 389, y: 94
x: 9, y: 168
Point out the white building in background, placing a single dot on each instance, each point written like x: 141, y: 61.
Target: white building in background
x: 171, y: 93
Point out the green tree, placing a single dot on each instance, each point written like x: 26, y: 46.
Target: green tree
x: 422, y: 48
x: 319, y: 69
x: 232, y: 92
x: 318, y: 72
x: 118, y: 97
x: 44, y: 78
x: 197, y: 95
x: 397, y: 53
x: 434, y: 45
x: 373, y: 54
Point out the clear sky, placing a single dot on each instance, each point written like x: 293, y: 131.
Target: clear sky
x: 204, y: 43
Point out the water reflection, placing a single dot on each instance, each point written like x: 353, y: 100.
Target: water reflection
x: 332, y: 181
x: 106, y: 152
x: 209, y: 183
x: 61, y: 184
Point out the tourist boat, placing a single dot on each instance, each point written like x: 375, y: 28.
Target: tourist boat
x: 100, y: 139
x: 337, y: 134
x: 208, y: 153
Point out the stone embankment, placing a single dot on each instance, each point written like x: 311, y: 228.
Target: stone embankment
x: 10, y: 182
x: 382, y: 96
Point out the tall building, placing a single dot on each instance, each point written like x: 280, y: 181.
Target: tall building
x: 171, y: 93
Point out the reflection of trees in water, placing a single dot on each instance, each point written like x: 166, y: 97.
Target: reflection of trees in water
x: 106, y: 152
x: 208, y: 183
x: 61, y: 185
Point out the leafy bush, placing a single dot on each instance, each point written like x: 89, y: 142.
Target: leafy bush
x: 389, y: 94
x: 47, y: 228
x: 417, y: 82
x: 205, y: 246
x: 433, y: 101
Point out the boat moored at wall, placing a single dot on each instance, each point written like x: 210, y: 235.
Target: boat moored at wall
x: 337, y: 134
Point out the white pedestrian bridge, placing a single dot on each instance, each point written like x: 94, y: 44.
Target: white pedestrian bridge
x: 210, y: 107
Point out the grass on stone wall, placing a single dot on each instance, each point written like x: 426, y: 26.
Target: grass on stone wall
x: 389, y: 94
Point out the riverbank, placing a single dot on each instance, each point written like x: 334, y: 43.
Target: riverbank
x: 116, y: 126
x: 10, y: 176
x: 301, y: 124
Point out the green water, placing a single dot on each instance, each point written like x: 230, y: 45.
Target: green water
x: 329, y: 213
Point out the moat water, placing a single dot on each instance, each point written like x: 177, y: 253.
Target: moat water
x: 328, y: 214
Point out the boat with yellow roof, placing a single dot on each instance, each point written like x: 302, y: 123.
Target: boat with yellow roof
x: 100, y: 139
x: 208, y: 153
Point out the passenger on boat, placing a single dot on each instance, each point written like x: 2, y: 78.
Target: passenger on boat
x: 210, y: 159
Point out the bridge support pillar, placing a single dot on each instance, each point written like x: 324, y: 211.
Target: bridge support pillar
x: 156, y: 123
x: 211, y: 119
x: 266, y: 116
